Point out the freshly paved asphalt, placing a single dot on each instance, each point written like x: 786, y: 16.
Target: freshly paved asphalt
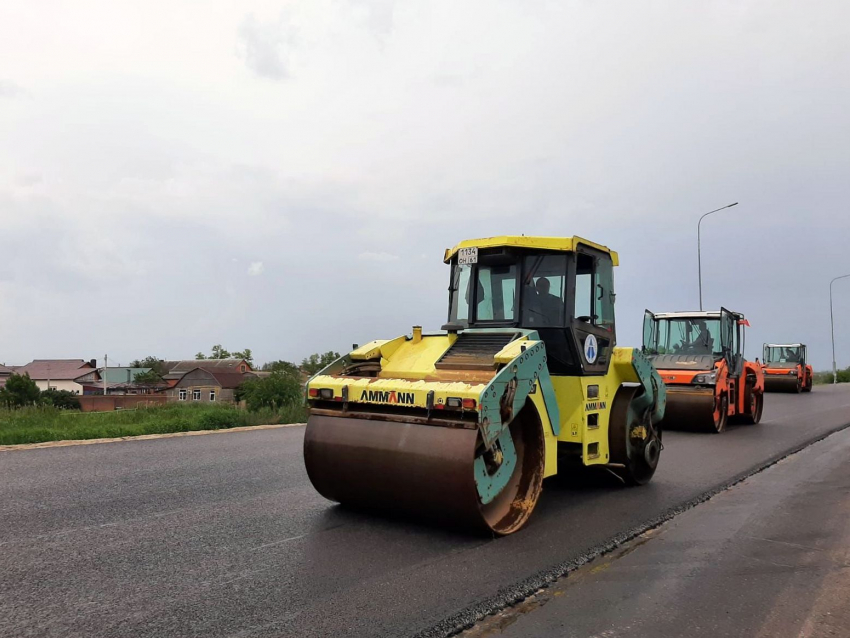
x: 224, y: 536
x: 768, y: 558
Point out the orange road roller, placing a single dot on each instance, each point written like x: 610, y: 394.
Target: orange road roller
x: 785, y: 368
x: 699, y: 355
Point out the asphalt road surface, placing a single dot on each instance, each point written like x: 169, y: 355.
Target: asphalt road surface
x: 767, y: 558
x: 223, y: 535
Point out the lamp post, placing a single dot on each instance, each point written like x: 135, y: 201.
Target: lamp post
x: 832, y: 329
x: 699, y: 255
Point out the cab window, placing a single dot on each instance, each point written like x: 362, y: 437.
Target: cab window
x: 496, y: 293
x: 594, y: 300
x: 603, y: 293
x: 544, y: 290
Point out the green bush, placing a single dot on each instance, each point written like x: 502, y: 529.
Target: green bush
x: 219, y: 419
x: 62, y: 399
x: 19, y: 391
x: 278, y: 390
x: 821, y: 378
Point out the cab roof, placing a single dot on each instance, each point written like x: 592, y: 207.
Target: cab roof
x: 562, y: 244
x: 688, y: 315
x: 783, y: 345
x: 696, y: 314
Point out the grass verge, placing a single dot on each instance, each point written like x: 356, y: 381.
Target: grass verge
x: 37, y: 425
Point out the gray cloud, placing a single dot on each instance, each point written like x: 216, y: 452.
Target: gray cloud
x: 139, y: 213
x: 9, y: 89
x: 379, y: 256
x: 265, y: 46
x: 256, y: 268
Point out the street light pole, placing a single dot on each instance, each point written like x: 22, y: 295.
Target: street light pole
x: 699, y: 242
x: 832, y: 329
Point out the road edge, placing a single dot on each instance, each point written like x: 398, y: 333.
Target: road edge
x: 518, y: 592
x: 142, y: 437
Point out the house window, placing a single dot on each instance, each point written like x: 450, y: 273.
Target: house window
x: 243, y: 368
x: 196, y: 395
x: 182, y: 395
x: 212, y: 395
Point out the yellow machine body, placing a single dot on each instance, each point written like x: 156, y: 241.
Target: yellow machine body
x: 464, y: 425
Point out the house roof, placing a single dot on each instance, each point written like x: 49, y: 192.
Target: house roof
x: 56, y: 369
x: 227, y: 380
x: 177, y: 369
x: 4, y: 370
x: 231, y: 379
x: 120, y: 375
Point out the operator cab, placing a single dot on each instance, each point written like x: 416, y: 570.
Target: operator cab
x: 789, y: 355
x: 562, y: 288
x: 694, y: 340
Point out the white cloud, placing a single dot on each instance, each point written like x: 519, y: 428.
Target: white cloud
x: 369, y: 256
x: 256, y: 268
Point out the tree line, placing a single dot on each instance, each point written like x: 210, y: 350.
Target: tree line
x: 283, y: 387
x: 310, y: 365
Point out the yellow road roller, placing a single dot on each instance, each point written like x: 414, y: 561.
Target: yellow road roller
x: 461, y: 427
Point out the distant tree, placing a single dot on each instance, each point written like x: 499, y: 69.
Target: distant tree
x: 284, y: 367
x: 62, y: 399
x: 218, y: 352
x: 19, y: 391
x: 155, y: 363
x: 316, y: 361
x: 274, y: 391
x: 244, y: 354
x: 151, y: 377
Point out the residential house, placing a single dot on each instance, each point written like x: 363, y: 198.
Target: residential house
x: 207, y: 385
x: 61, y: 374
x: 221, y: 365
x: 122, y: 381
x: 176, y: 369
x: 5, y: 373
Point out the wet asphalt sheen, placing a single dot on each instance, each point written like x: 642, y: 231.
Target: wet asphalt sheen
x: 224, y: 536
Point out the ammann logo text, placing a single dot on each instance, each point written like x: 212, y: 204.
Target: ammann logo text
x: 377, y: 396
x: 594, y: 405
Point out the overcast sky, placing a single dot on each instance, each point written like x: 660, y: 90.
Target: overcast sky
x: 284, y: 176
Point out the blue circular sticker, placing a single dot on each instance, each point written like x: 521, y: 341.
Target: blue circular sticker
x: 591, y: 350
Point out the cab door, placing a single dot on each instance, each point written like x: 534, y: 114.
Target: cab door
x: 731, y: 342
x: 650, y: 333
x: 592, y: 312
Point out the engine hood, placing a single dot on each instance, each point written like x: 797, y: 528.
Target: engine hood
x: 775, y: 365
x: 695, y: 362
